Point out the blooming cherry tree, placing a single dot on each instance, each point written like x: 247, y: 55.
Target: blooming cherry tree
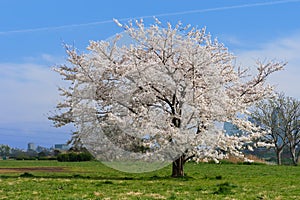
x: 160, y: 96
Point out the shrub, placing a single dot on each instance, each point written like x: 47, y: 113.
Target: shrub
x: 74, y: 157
x: 26, y: 175
x: 63, y: 157
x: 47, y: 158
x: 25, y: 157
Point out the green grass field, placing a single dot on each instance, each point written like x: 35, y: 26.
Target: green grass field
x: 93, y: 180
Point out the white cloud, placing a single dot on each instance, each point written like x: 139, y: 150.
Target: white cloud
x: 231, y: 40
x: 283, y: 49
x: 44, y: 59
x: 28, y: 92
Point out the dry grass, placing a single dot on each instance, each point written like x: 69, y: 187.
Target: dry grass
x: 235, y: 160
x: 32, y: 169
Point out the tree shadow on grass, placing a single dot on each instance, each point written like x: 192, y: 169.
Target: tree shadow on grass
x: 83, y: 176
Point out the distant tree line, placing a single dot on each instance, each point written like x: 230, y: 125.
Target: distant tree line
x: 72, y: 155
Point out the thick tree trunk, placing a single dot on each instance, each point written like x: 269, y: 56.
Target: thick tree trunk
x: 177, y: 167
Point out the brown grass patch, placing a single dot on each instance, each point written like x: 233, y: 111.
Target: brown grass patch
x: 250, y: 157
x: 32, y: 169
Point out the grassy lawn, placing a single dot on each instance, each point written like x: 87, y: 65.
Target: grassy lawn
x: 93, y: 180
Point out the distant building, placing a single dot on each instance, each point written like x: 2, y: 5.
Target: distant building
x: 63, y: 147
x: 41, y: 149
x: 31, y: 147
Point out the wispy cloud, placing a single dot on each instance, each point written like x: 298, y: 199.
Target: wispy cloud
x: 44, y: 59
x: 28, y: 94
x: 283, y: 49
x: 28, y: 91
x: 231, y: 40
x: 187, y: 12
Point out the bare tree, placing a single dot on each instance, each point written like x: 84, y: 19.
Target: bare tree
x: 266, y: 115
x: 290, y: 115
x: 280, y: 117
x: 168, y: 87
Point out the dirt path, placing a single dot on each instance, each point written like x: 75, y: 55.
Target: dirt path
x: 32, y: 169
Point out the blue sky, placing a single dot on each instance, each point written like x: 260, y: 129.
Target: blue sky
x: 32, y: 33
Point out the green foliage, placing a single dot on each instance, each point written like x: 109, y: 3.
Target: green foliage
x: 47, y: 158
x: 4, y: 150
x: 93, y: 180
x: 25, y: 157
x: 74, y: 157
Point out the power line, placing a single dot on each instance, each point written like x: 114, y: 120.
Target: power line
x: 269, y: 3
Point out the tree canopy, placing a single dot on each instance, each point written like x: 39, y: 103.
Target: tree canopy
x: 160, y: 96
